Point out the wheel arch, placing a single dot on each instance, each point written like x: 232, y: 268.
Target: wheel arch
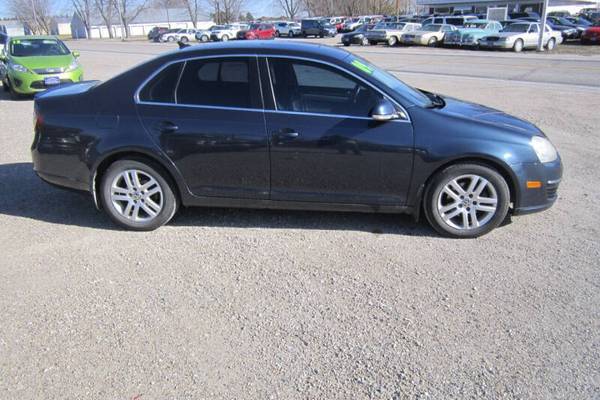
x: 501, y: 167
x: 134, y: 154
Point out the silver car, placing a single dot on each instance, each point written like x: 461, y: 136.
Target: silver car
x: 289, y: 29
x: 521, y: 35
x: 390, y: 32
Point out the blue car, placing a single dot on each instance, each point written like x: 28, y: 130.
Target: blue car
x: 288, y: 126
x: 470, y: 34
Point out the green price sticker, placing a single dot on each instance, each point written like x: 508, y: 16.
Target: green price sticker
x: 362, y: 67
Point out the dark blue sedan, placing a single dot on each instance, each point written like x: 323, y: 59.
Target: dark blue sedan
x: 289, y: 126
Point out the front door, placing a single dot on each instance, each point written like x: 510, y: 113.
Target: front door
x: 324, y: 145
x: 207, y: 116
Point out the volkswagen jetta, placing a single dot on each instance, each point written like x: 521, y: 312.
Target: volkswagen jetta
x: 293, y: 126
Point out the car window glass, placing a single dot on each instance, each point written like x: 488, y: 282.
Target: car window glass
x: 161, y: 88
x: 219, y: 83
x: 302, y: 86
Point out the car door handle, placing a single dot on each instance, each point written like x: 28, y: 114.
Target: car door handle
x: 286, y: 134
x: 167, y: 127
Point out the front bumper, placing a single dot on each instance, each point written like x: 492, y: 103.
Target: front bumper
x: 528, y: 201
x: 30, y: 83
x: 497, y: 44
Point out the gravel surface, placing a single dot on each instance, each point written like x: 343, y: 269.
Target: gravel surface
x: 271, y: 304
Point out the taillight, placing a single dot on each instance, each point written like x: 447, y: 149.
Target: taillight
x: 38, y: 120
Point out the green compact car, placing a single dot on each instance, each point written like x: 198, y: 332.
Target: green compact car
x: 36, y: 63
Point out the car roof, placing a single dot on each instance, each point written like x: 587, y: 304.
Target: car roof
x: 25, y: 37
x: 264, y: 47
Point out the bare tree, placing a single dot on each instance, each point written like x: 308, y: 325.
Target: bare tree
x: 106, y: 8
x: 193, y: 8
x: 291, y: 8
x: 226, y: 11
x: 83, y: 9
x: 128, y: 10
x: 166, y: 5
x: 35, y: 14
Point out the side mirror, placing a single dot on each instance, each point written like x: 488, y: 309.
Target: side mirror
x: 384, y: 111
x: 75, y: 53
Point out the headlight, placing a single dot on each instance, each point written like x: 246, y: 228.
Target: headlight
x: 18, y: 67
x: 544, y: 149
x: 73, y: 66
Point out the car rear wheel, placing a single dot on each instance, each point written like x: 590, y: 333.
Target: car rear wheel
x: 184, y: 39
x: 204, y: 38
x: 137, y: 195
x: 364, y: 41
x: 432, y: 42
x: 466, y: 200
x: 171, y: 39
x: 518, y: 46
x: 392, y: 41
x: 225, y: 38
x: 551, y: 44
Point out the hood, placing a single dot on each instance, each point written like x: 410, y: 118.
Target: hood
x: 504, y: 34
x: 38, y: 62
x: 477, y: 112
x: 464, y: 31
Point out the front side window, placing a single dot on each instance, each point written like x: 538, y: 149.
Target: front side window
x: 302, y: 86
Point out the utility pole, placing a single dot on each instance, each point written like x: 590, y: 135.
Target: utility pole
x: 540, y: 46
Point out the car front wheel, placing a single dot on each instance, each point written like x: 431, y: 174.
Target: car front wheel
x: 137, y: 195
x: 518, y: 46
x: 551, y: 44
x: 466, y: 200
x: 392, y: 41
x: 432, y: 42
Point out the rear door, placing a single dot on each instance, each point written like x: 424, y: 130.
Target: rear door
x: 206, y: 115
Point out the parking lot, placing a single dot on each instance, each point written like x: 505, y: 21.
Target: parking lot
x: 240, y: 304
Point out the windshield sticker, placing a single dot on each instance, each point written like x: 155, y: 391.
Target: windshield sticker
x: 362, y: 67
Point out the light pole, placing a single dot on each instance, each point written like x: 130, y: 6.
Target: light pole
x: 540, y: 46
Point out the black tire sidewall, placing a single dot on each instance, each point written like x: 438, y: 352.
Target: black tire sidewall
x: 437, y: 184
x: 170, y: 202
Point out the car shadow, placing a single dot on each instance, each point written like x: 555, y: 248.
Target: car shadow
x: 24, y: 195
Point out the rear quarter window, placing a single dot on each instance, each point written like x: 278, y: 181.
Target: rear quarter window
x: 161, y: 88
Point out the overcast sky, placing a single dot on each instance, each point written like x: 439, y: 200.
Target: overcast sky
x: 256, y: 7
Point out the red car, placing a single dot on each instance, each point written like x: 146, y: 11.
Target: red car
x: 591, y: 35
x: 261, y: 31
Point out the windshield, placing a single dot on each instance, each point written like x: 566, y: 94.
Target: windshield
x: 254, y: 27
x: 37, y: 47
x: 395, y: 85
x: 516, y: 28
x: 432, y: 28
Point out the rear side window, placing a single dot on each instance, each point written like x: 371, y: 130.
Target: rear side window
x: 161, y: 88
x: 219, y: 83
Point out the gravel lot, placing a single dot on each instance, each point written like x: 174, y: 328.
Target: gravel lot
x: 270, y: 304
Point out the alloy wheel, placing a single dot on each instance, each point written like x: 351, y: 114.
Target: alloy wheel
x: 136, y: 195
x: 467, y: 202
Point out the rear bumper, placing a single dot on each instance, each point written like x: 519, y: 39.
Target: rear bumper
x: 530, y: 201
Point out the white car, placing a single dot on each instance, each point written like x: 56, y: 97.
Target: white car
x: 227, y: 32
x: 204, y: 34
x: 183, y: 35
x: 391, y: 32
x: 521, y: 35
x: 289, y: 29
x: 429, y: 35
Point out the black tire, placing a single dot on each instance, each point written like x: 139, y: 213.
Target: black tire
x: 346, y: 44
x: 5, y: 86
x: 551, y: 44
x: 438, y: 183
x: 321, y: 35
x: 204, y: 38
x: 432, y: 42
x: 170, y: 202
x: 170, y: 39
x: 518, y: 46
x: 290, y: 34
x: 392, y: 41
x: 13, y: 93
x: 184, y: 39
x: 276, y: 33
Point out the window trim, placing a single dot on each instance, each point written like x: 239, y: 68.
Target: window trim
x: 263, y: 109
